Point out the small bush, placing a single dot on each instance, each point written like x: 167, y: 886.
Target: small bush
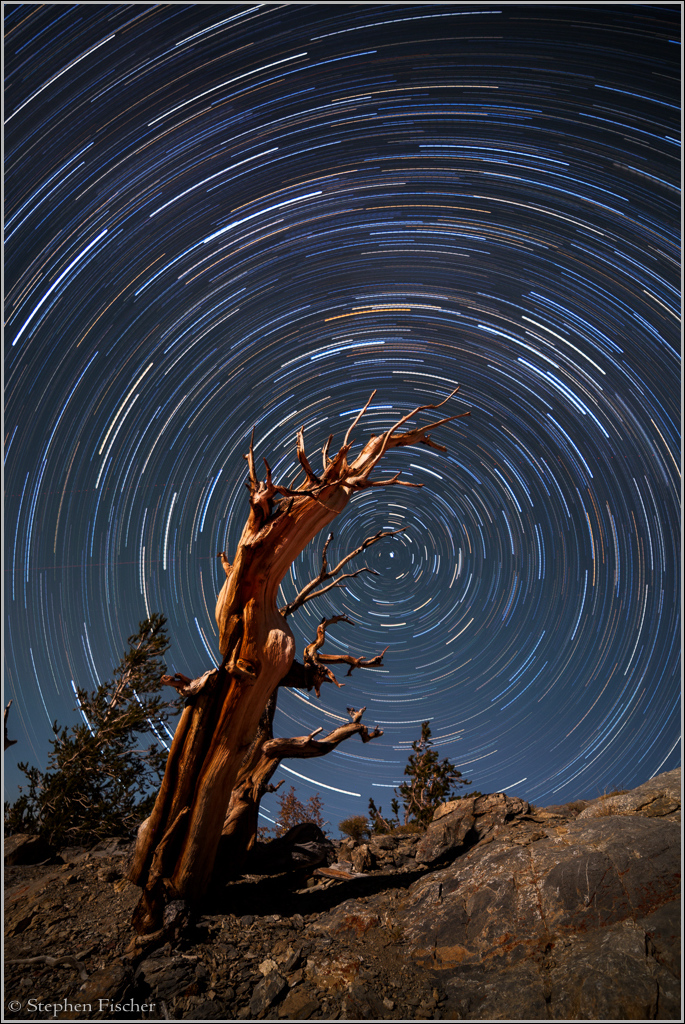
x: 291, y: 811
x: 412, y: 828
x: 356, y: 827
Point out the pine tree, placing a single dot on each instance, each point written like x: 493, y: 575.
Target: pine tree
x: 431, y: 783
x: 103, y: 772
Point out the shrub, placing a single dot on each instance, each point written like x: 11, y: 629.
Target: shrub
x: 431, y: 782
x: 292, y: 811
x: 356, y: 827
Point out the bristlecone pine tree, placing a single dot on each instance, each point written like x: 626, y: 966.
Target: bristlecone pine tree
x: 431, y: 781
x: 103, y: 772
x: 217, y: 746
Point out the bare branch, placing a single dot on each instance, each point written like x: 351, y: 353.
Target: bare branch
x: 311, y: 649
x: 387, y: 483
x: 335, y: 583
x: 55, y: 961
x: 349, y: 659
x: 359, y: 416
x: 185, y: 685
x: 314, y: 672
x: 304, y: 461
x: 308, y: 592
x: 324, y: 452
x: 376, y: 447
x: 313, y: 658
x: 337, y: 466
x: 8, y: 742
x: 307, y: 746
x: 250, y: 461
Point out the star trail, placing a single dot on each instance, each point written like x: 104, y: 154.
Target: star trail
x: 227, y: 216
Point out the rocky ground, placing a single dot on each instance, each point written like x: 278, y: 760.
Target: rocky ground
x: 498, y: 911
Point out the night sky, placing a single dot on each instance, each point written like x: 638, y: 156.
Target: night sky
x: 220, y: 216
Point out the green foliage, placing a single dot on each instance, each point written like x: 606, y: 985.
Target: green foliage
x: 103, y: 773
x: 431, y: 782
x: 356, y: 827
x: 379, y: 824
x: 292, y: 811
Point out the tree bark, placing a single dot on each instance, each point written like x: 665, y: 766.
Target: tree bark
x: 177, y: 846
x: 239, y: 833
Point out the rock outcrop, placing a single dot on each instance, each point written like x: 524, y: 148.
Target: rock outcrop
x: 498, y: 911
x: 462, y: 823
x: 23, y: 849
x: 657, y: 798
x: 582, y: 919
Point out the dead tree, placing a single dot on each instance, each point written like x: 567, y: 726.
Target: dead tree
x: 7, y: 740
x: 177, y: 845
x: 239, y: 833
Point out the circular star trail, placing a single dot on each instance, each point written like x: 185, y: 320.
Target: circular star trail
x: 227, y: 216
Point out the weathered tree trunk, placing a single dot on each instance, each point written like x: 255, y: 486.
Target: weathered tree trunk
x: 177, y: 846
x: 239, y: 833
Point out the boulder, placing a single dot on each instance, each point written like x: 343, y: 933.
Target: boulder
x: 656, y: 798
x: 299, y: 1004
x: 266, y: 991
x: 108, y: 985
x: 460, y: 823
x: 380, y: 843
x: 584, y: 875
x: 25, y: 849
x: 361, y: 858
x: 166, y: 977
x: 582, y: 923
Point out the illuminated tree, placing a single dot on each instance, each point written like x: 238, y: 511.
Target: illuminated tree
x: 177, y: 845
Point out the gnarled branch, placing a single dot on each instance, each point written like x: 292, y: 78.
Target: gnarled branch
x: 312, y: 656
x: 185, y: 685
x: 374, y: 450
x: 309, y: 591
x: 8, y: 742
x: 55, y: 961
x: 307, y: 746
